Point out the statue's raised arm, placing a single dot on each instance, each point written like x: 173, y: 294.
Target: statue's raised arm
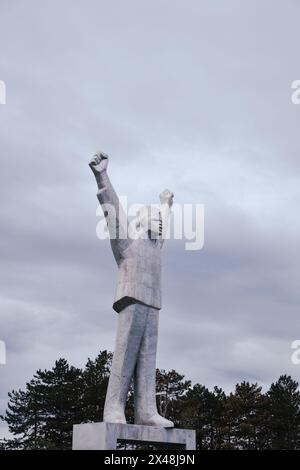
x: 166, y: 202
x: 113, y: 211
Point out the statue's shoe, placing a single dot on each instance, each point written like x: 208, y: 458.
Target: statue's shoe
x: 155, y: 420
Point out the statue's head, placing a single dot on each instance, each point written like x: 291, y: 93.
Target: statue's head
x: 149, y: 220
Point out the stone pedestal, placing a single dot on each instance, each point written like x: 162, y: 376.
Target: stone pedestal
x: 104, y: 436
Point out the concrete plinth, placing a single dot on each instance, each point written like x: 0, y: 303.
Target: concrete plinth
x: 104, y: 436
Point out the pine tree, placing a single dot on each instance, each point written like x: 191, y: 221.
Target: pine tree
x: 283, y: 424
x: 42, y: 416
x: 60, y: 391
x: 24, y: 420
x: 244, y: 411
x: 170, y: 388
x: 203, y: 410
x: 95, y: 380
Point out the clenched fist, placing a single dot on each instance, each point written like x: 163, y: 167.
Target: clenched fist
x: 166, y: 197
x: 99, y: 163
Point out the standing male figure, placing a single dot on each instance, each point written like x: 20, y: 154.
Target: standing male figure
x: 137, y: 300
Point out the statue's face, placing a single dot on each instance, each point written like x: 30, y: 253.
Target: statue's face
x: 150, y: 219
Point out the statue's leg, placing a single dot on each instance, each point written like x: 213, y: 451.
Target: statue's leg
x: 145, y: 376
x: 131, y: 326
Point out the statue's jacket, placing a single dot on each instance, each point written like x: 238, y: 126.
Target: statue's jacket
x: 138, y: 260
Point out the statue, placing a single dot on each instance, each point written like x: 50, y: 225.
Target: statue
x: 137, y: 300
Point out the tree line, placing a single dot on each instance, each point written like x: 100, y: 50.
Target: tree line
x: 42, y: 415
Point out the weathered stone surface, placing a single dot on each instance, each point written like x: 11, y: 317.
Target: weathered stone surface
x: 104, y: 436
x: 138, y: 300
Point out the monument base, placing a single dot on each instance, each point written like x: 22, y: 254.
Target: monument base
x: 105, y: 436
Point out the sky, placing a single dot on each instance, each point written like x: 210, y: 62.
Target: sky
x: 194, y: 96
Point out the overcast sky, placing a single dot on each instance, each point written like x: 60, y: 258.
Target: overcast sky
x: 192, y: 95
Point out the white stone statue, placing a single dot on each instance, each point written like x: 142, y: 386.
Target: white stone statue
x: 137, y: 300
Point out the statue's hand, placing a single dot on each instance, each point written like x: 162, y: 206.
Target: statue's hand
x: 99, y: 163
x: 166, y: 197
